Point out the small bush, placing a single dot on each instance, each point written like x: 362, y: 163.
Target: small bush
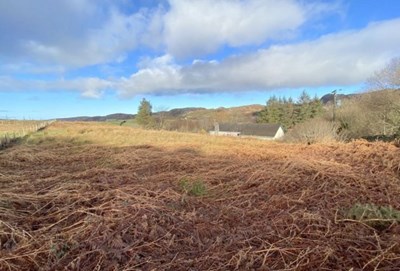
x: 314, y: 131
x: 193, y: 188
x: 379, y: 217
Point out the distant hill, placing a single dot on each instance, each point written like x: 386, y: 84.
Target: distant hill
x: 178, y: 112
x: 328, y: 98
x: 117, y: 116
x: 247, y: 113
x: 173, y: 113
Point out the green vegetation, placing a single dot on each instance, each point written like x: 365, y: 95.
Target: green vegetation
x: 289, y: 113
x: 144, y: 116
x: 128, y: 122
x: 195, y: 188
x: 379, y: 217
x: 13, y: 130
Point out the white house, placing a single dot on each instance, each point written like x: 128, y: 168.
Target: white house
x: 257, y: 130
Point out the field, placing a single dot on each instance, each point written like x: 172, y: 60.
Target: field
x: 91, y: 196
x: 14, y: 126
x: 14, y: 130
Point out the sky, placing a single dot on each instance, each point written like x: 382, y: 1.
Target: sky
x: 70, y: 58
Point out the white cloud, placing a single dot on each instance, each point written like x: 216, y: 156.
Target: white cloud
x: 79, y: 33
x: 43, y: 22
x: 108, y: 43
x: 39, y: 37
x: 89, y: 87
x: 199, y: 27
x: 337, y: 59
x: 29, y: 68
x: 159, y: 74
x: 71, y: 33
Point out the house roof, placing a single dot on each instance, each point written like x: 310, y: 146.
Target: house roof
x: 251, y: 129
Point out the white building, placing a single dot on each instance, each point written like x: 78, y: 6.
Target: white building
x: 258, y: 130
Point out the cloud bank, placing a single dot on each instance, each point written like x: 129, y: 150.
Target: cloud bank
x: 176, y: 42
x: 70, y: 33
x: 345, y: 58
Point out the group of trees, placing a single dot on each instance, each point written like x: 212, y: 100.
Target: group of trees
x: 375, y: 113
x: 146, y: 119
x: 372, y: 114
x: 288, y: 113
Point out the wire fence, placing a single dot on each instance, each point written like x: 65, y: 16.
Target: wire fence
x: 19, y: 130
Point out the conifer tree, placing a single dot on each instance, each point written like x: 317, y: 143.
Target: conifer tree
x: 289, y: 113
x: 144, y: 116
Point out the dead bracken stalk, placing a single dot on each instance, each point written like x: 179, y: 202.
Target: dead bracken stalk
x: 77, y: 200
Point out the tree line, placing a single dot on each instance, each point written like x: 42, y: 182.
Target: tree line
x: 288, y: 113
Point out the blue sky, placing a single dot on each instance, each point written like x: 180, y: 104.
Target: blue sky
x: 94, y: 57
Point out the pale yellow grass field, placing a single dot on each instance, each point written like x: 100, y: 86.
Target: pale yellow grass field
x: 117, y: 136
x: 16, y: 126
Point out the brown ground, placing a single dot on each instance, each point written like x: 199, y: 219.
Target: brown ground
x: 68, y: 202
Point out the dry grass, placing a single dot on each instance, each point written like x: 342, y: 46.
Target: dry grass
x: 14, y: 130
x: 15, y: 126
x: 97, y: 197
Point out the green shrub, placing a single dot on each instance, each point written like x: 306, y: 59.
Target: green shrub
x: 193, y: 188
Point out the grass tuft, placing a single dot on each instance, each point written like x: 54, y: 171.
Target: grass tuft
x: 195, y: 188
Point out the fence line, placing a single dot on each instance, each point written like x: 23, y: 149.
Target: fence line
x: 10, y: 137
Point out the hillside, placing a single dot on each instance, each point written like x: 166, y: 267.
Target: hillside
x: 90, y: 196
x: 116, y: 116
x: 328, y: 98
x: 173, y: 113
x: 246, y: 113
x: 241, y: 113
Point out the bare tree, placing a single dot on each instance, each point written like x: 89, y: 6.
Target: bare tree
x: 376, y: 112
x: 387, y: 78
x: 383, y: 107
x: 162, y: 113
x: 352, y: 118
x: 370, y: 114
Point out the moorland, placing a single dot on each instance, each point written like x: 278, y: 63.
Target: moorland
x: 95, y: 196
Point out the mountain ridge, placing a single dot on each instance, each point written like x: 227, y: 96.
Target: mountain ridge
x: 188, y: 112
x: 241, y: 113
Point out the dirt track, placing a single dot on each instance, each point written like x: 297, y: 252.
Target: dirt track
x: 69, y: 206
